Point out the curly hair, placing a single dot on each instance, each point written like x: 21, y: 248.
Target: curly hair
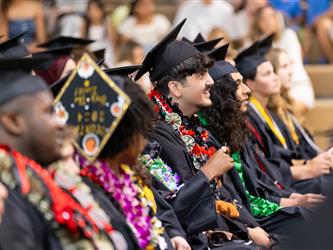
x: 137, y: 120
x: 224, y: 118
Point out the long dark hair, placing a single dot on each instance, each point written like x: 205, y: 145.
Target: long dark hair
x: 225, y: 119
x: 101, y: 6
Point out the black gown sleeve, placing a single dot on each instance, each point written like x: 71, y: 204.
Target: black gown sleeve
x: 167, y: 216
x: 23, y: 227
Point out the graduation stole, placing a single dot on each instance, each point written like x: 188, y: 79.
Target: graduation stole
x: 265, y: 116
x: 56, y: 206
x: 291, y: 126
x: 259, y: 206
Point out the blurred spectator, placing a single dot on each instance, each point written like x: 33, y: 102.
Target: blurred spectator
x: 70, y: 17
x: 218, y: 32
x: 132, y: 53
x: 268, y: 21
x: 96, y: 27
x: 202, y: 16
x: 19, y: 16
x: 323, y: 26
x: 291, y: 9
x: 144, y: 25
x: 241, y: 20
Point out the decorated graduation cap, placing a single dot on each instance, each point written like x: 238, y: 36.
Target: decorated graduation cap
x: 248, y: 61
x: 14, y: 47
x: 16, y: 79
x: 93, y: 104
x: 166, y: 55
x: 221, y: 67
x: 62, y: 41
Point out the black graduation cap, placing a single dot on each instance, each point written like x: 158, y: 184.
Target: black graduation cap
x: 207, y: 45
x: 52, y: 54
x: 266, y: 44
x: 167, y: 54
x: 221, y: 67
x: 14, y: 47
x: 123, y: 71
x: 184, y: 39
x: 219, y: 53
x: 199, y: 39
x: 16, y: 79
x: 61, y: 41
x: 99, y: 54
x: 93, y: 104
x: 248, y: 61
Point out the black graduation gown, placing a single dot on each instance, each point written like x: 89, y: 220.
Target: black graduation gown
x: 279, y: 157
x: 24, y: 227
x: 194, y: 203
x: 117, y: 219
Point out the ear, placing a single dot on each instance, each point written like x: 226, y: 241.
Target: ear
x: 12, y: 123
x: 250, y: 83
x: 175, y: 88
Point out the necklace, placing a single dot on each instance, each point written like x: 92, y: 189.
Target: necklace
x: 124, y: 189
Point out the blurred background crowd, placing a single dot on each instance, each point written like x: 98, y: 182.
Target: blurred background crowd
x: 127, y: 29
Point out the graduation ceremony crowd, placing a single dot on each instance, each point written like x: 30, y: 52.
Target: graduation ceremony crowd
x: 195, y: 146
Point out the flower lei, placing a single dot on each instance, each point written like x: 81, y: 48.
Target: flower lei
x: 196, y: 141
x: 161, y: 171
x: 151, y: 160
x: 65, y: 210
x: 124, y: 190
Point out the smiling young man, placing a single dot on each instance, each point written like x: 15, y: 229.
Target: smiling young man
x: 182, y: 83
x: 268, y: 132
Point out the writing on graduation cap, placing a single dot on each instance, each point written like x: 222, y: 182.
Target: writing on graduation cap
x: 92, y: 104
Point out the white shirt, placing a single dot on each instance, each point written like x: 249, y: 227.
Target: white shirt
x: 145, y: 34
x: 204, y: 17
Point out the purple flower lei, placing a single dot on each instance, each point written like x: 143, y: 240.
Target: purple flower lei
x: 124, y: 191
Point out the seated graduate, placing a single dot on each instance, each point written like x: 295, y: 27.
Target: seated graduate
x: 268, y: 132
x: 226, y: 121
x: 38, y: 214
x: 282, y: 105
x: 110, y: 167
x: 179, y: 73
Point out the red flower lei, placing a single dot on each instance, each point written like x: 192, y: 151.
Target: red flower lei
x: 199, y: 153
x: 65, y: 209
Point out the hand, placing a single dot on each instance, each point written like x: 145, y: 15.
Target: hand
x: 303, y: 200
x: 218, y: 164
x: 3, y: 196
x: 320, y: 165
x: 179, y: 243
x: 259, y: 236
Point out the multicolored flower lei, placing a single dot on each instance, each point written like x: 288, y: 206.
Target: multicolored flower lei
x: 161, y: 171
x: 124, y: 190
x: 196, y: 141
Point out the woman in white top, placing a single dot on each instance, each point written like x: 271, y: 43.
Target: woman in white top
x: 143, y: 25
x: 97, y: 28
x: 268, y: 21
